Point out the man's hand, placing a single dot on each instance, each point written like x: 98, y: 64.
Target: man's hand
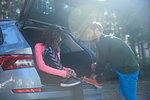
x: 93, y: 76
x: 93, y: 66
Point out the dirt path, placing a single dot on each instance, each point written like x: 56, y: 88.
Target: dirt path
x: 110, y: 90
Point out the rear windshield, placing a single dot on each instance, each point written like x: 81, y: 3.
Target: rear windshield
x: 1, y: 36
x: 12, y: 38
x: 68, y: 13
x: 51, y: 11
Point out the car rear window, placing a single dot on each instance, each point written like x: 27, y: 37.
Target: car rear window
x: 13, y: 39
x: 73, y: 14
x: 1, y: 36
x: 51, y: 11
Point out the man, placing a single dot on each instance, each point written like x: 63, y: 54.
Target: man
x: 112, y: 50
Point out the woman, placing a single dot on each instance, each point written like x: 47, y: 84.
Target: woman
x: 47, y: 53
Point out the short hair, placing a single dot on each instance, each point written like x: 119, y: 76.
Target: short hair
x: 93, y: 25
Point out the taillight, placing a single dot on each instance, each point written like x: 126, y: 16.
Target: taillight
x: 27, y: 90
x: 16, y: 61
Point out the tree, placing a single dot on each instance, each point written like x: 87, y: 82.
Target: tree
x: 10, y: 9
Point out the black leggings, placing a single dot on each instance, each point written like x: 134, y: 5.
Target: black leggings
x: 49, y: 79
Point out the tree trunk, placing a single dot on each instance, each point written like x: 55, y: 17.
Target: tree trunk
x: 139, y: 49
x: 149, y: 48
x: 9, y: 10
x: 14, y: 9
x: 0, y: 9
x: 143, y: 53
x: 149, y: 51
x: 132, y: 44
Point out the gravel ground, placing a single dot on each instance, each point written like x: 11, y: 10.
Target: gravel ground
x: 110, y: 90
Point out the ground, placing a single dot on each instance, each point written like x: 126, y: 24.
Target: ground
x: 110, y: 90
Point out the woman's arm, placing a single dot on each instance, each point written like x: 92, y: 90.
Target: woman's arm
x: 66, y: 69
x: 39, y: 49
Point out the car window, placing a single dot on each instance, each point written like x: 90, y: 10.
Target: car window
x: 65, y: 49
x: 13, y: 39
x: 73, y: 14
x: 1, y: 36
x: 51, y: 11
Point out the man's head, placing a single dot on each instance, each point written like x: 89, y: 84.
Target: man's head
x: 94, y: 30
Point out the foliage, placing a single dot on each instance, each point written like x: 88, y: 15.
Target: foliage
x: 10, y: 9
x: 128, y: 20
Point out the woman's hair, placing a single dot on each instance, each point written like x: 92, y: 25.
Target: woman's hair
x: 95, y: 25
x: 51, y: 35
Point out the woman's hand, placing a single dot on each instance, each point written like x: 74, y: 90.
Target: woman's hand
x: 71, y: 73
x: 68, y: 74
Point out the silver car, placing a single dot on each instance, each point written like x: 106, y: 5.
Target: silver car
x: 19, y: 77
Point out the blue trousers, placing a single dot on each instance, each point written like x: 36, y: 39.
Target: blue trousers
x: 128, y: 84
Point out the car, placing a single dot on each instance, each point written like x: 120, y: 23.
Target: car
x: 19, y: 76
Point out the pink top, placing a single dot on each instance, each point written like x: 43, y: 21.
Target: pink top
x: 39, y: 50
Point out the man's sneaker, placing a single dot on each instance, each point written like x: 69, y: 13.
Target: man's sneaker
x: 69, y: 82
x: 92, y: 81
